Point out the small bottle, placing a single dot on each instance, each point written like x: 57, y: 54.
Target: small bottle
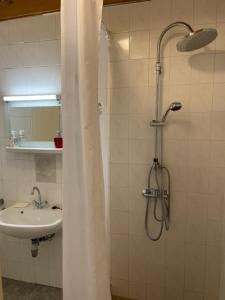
x: 21, y: 138
x: 13, y: 139
x: 58, y: 140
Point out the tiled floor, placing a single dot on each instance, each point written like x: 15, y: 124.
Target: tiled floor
x: 18, y: 290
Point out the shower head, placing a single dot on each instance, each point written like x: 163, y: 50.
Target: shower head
x: 197, y: 39
x: 174, y: 106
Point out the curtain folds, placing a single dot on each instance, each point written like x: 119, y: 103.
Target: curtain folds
x: 85, y: 266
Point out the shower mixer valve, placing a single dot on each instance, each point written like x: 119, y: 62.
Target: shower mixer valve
x: 155, y: 193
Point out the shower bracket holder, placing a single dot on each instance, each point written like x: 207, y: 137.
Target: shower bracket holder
x: 155, y: 123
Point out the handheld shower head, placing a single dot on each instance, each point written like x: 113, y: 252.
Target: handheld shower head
x: 174, y: 106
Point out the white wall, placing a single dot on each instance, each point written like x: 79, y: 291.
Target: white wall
x: 29, y: 64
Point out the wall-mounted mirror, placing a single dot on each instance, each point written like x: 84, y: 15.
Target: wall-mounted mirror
x: 37, y: 123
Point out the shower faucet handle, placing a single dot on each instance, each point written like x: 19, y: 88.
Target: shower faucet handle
x: 150, y: 193
x: 155, y: 193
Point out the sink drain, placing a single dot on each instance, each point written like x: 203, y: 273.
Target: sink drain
x: 35, y: 243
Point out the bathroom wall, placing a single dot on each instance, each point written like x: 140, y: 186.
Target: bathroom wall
x: 186, y: 262
x: 29, y: 64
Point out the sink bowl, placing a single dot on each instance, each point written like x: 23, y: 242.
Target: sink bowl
x: 30, y: 222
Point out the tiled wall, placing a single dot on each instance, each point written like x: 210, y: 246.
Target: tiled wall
x: 185, y: 263
x: 29, y: 64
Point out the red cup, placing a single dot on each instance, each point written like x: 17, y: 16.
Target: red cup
x: 58, y: 142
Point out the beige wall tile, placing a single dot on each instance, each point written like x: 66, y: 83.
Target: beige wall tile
x: 176, y: 233
x: 139, y: 44
x: 155, y: 292
x: 201, y: 97
x: 119, y: 175
x: 199, y: 153
x: 183, y: 8
x: 200, y: 126
x: 170, y: 152
x: 218, y: 125
x: 219, y: 75
x: 178, y: 126
x: 140, y: 16
x: 174, y: 293
x: 220, y: 44
x: 119, y: 101
x: 195, y: 255
x: 172, y: 257
x: 197, y: 206
x: 119, y: 46
x: 180, y: 71
x: 119, y: 222
x: 139, y: 127
x: 118, y: 126
x: 120, y: 287
x: 119, y: 151
x: 217, y: 154
x: 196, y: 231
x: 137, y: 175
x: 178, y: 204
x: 141, y: 100
x: 119, y: 19
x: 140, y: 151
x: 193, y: 296
x: 202, y: 66
x: 156, y: 275
x: 136, y: 224
x: 119, y: 256
x: 179, y: 173
x: 138, y: 72
x: 219, y: 97
x: 221, y: 11
x: 215, y: 205
x: 159, y: 17
x: 194, y: 279
x: 137, y: 202
x: 175, y: 277
x: 214, y: 231
x: 119, y: 198
x: 137, y: 269
x: 216, y: 181
x: 137, y: 290
x: 204, y: 11
x: 119, y: 74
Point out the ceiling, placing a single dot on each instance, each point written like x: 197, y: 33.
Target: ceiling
x: 10, y: 9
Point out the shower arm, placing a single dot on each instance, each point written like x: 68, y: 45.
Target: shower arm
x: 172, y: 25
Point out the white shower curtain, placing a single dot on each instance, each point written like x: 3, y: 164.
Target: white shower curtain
x: 85, y: 266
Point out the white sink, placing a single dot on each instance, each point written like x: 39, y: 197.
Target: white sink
x: 30, y: 222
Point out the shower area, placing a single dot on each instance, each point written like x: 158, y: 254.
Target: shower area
x: 167, y: 149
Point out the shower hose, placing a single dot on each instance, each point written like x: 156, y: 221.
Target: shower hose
x: 160, y: 198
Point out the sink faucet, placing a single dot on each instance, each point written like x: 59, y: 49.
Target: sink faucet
x: 38, y: 203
